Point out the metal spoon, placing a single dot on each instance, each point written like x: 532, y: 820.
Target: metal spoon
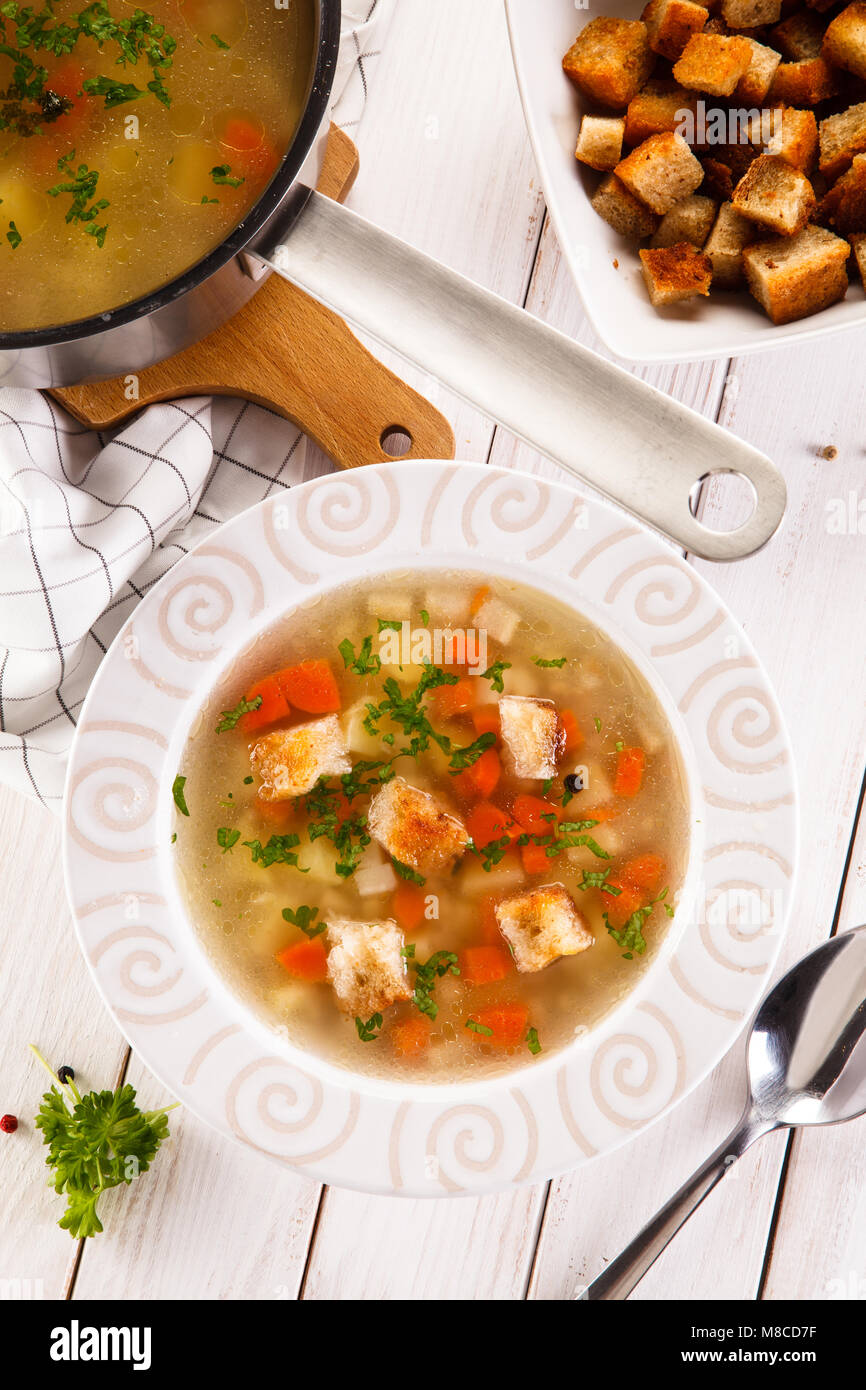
x: 806, y: 1059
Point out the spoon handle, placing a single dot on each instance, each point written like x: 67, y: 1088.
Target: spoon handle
x: 627, y: 1270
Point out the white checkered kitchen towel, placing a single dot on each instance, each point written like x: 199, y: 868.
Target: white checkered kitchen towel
x: 89, y: 523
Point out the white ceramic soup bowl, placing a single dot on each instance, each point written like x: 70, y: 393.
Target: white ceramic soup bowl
x: 553, y: 1112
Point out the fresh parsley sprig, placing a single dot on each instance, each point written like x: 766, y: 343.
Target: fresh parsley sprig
x: 230, y: 718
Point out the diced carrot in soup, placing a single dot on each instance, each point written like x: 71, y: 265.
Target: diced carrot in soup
x: 481, y: 778
x: 411, y: 1035
x: 408, y: 904
x: 450, y: 701
x: 487, y: 824
x: 535, y: 859
x: 630, y: 764
x: 486, y: 721
x: 620, y: 906
x: 274, y: 705
x: 487, y: 923
x: 483, y: 965
x: 538, y: 817
x: 311, y: 687
x: 306, y: 960
x: 508, y: 1024
x: 647, y: 871
x: 572, y: 730
x: 478, y: 599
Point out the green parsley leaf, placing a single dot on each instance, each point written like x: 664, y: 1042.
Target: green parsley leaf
x: 227, y: 839
x: 365, y: 663
x: 303, y: 917
x: 597, y: 723
x: 390, y: 625
x: 115, y: 93
x: 556, y: 663
x: 494, y: 675
x: 177, y: 787
x: 425, y: 618
x: 278, y: 850
x: 404, y: 871
x: 14, y: 237
x: 475, y: 1027
x: 369, y: 1031
x: 248, y: 781
x: 440, y: 963
x: 631, y: 935
x: 220, y: 43
x: 230, y: 718
x: 222, y: 174
x: 532, y: 1041
x: 466, y: 757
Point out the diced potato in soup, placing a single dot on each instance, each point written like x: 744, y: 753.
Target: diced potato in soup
x: 486, y: 902
x: 134, y: 140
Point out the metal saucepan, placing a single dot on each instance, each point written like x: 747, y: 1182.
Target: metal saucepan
x: 632, y: 443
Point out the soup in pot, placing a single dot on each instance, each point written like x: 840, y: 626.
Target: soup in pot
x: 432, y: 826
x: 133, y: 141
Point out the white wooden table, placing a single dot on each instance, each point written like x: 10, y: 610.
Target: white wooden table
x: 446, y: 164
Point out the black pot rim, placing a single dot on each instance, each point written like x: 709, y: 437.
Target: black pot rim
x: 315, y: 109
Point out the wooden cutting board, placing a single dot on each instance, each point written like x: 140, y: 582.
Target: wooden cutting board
x: 285, y: 351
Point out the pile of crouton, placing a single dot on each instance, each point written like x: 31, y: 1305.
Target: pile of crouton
x: 778, y: 207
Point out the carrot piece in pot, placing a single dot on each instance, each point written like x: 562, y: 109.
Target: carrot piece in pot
x: 630, y: 765
x: 305, y: 960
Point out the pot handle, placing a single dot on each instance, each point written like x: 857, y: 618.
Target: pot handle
x: 632, y: 443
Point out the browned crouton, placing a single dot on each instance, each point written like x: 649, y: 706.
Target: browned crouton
x: 674, y: 273
x: 610, y: 60
x: 366, y: 966
x: 661, y: 171
x: 845, y: 40
x: 291, y: 761
x: 775, y: 195
x: 689, y: 221
x: 671, y: 23
x: 542, y: 926
x: 530, y: 735
x: 718, y: 179
x: 803, y: 84
x: 796, y: 276
x: 659, y: 107
x: 756, y: 81
x: 840, y: 138
x: 799, y: 36
x: 714, y: 64
x: 821, y: 5
x: 795, y: 138
x: 600, y: 142
x: 750, y: 14
x: 858, y: 242
x: 411, y: 826
x: 731, y: 234
x: 844, y: 207
x: 622, y: 210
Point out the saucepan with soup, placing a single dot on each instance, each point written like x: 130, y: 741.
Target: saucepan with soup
x: 156, y: 162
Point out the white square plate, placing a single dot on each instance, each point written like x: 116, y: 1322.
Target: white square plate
x: 726, y: 324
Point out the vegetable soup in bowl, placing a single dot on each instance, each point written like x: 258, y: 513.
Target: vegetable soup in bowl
x: 432, y: 826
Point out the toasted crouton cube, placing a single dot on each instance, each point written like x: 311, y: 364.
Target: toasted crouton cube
x: 671, y: 23
x: 674, y: 273
x: 365, y: 965
x: 542, y: 926
x: 610, y: 60
x: 799, y: 36
x: 803, y: 84
x: 844, y: 207
x: 821, y: 5
x: 858, y: 242
x: 530, y: 735
x: 291, y: 761
x: 757, y: 80
x: 795, y: 138
x: 689, y: 221
x: 713, y: 63
x: 661, y: 171
x: 622, y: 210
x: 496, y: 619
x: 845, y: 40
x: 750, y: 14
x: 796, y: 276
x: 775, y: 195
x: 412, y: 827
x: 600, y: 142
x: 660, y: 106
x: 731, y: 234
x: 840, y: 138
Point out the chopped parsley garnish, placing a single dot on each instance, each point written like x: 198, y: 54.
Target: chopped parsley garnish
x: 248, y: 781
x: 230, y: 718
x: 177, y: 787
x: 95, y: 1142
x: 174, y: 838
x: 493, y: 853
x: 546, y: 785
x: 408, y: 711
x: 556, y: 663
x: 304, y: 917
x: 494, y: 675
x: 82, y: 187
x: 440, y: 963
x: 280, y: 849
x: 222, y: 174
x: 227, y: 839
x: 404, y: 871
x: 532, y: 1042
x: 364, y: 663
x: 619, y: 745
x: 115, y: 93
x: 14, y: 237
x: 597, y: 878
x: 425, y: 618
x: 390, y: 625
x: 475, y: 1027
x: 467, y: 757
x: 220, y: 43
x: 631, y: 935
x: 597, y: 723
x: 369, y: 1031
